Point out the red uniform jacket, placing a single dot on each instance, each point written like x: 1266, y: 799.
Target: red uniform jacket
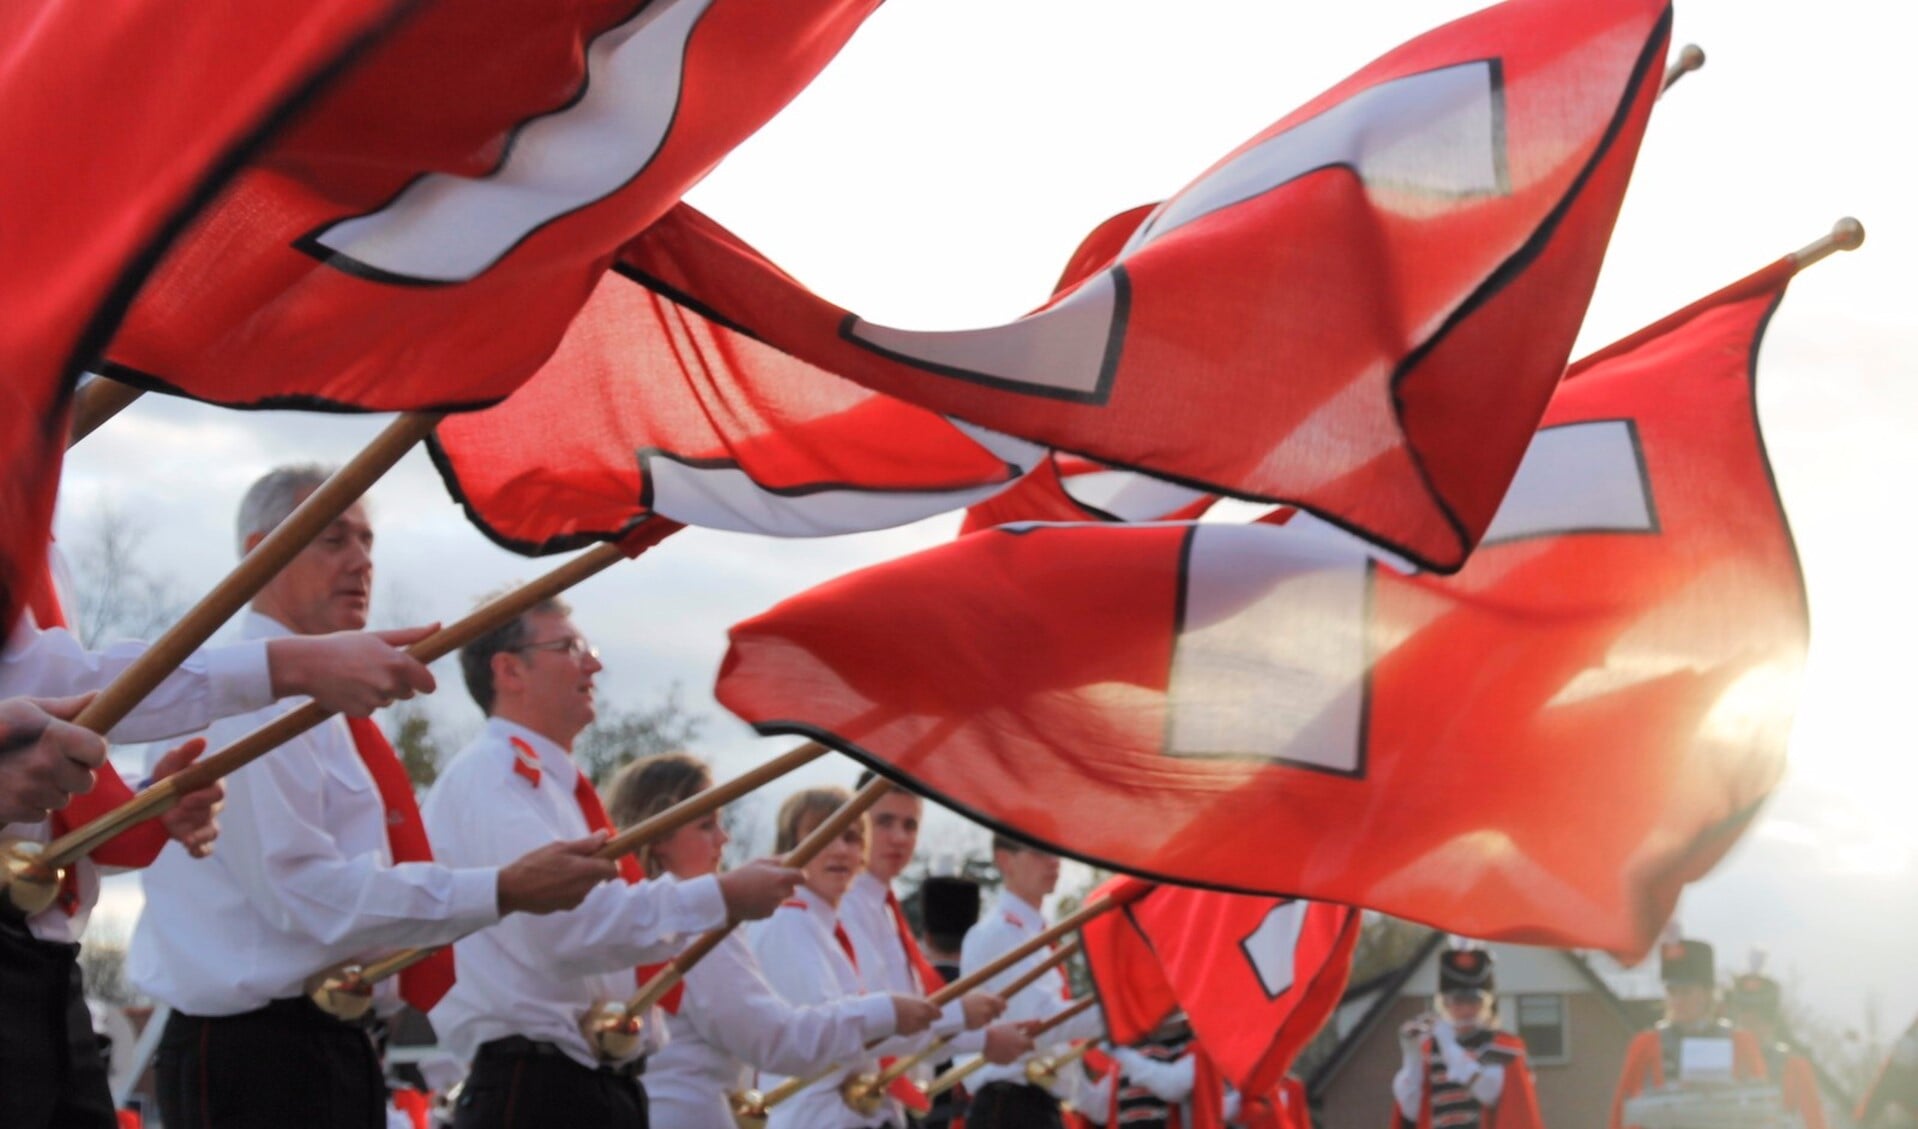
x: 1645, y: 1067
x: 1517, y: 1106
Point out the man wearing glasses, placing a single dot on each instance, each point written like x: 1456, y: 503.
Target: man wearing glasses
x: 525, y: 985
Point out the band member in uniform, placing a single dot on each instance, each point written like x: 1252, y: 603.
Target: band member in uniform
x: 323, y: 861
x: 1756, y: 1004
x: 526, y: 984
x: 725, y: 1014
x: 1655, y: 1059
x: 809, y: 956
x: 1892, y: 1101
x: 1002, y: 1098
x: 889, y: 955
x: 948, y: 906
x: 1459, y: 1069
x: 48, y: 1053
x: 1151, y: 1087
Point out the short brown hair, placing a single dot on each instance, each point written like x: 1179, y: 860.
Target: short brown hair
x: 476, y: 658
x: 805, y: 803
x: 649, y: 786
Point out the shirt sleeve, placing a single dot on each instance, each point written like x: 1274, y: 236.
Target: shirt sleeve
x: 733, y: 1007
x: 213, y: 682
x: 275, y: 841
x: 1408, y: 1089
x: 1168, y: 1081
x: 617, y: 926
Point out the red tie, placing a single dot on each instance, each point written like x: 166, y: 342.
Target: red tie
x: 424, y: 983
x: 595, y: 812
x: 929, y: 979
x: 845, y: 942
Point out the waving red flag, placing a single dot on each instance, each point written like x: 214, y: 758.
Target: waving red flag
x: 1542, y: 748
x: 1069, y: 488
x: 425, y: 235
x: 1362, y: 310
x: 650, y: 408
x: 1256, y: 976
x: 118, y: 122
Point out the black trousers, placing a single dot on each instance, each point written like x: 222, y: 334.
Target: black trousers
x: 521, y: 1084
x: 52, y: 1074
x: 288, y: 1065
x: 1013, y: 1105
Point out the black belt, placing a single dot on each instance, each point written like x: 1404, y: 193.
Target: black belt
x: 519, y: 1046
x: 302, y: 1009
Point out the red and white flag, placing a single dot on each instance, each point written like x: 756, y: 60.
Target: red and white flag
x: 423, y: 237
x: 650, y: 408
x: 118, y: 122
x: 1542, y: 748
x: 1363, y: 310
x: 1256, y: 976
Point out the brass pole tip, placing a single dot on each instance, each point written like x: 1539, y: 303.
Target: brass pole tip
x: 344, y: 994
x: 1691, y: 57
x: 1848, y: 234
x: 29, y: 887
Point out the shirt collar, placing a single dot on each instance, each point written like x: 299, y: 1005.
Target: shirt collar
x: 259, y: 625
x: 1022, y: 913
x: 821, y: 910
x: 867, y: 886
x: 553, y: 760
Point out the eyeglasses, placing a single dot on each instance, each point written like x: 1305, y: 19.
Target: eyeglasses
x: 573, y: 646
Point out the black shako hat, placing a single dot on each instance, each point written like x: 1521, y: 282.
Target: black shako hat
x: 1686, y: 962
x: 950, y: 906
x: 1465, y: 970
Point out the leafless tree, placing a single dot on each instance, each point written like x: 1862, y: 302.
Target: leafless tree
x: 115, y: 594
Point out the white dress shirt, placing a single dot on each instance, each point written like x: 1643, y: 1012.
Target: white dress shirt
x: 537, y: 976
x: 806, y: 964
x: 1010, y: 922
x: 302, y: 879
x: 212, y: 683
x: 731, y: 1015
x: 885, y: 966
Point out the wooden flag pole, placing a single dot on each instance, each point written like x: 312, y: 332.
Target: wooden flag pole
x: 1845, y: 235
x: 1690, y: 58
x: 1067, y: 924
x: 966, y: 1070
x: 348, y: 992
x: 867, y: 1089
x: 98, y: 401
x: 1044, y: 1072
x: 285, y: 542
x: 31, y: 873
x: 613, y: 1028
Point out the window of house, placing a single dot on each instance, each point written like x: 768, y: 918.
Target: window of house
x: 1541, y: 1023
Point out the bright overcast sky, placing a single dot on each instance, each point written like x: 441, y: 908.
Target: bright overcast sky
x: 942, y: 168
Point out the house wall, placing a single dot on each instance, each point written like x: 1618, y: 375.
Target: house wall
x: 1574, y: 1095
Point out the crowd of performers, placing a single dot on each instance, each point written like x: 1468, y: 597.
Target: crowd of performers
x: 325, y: 859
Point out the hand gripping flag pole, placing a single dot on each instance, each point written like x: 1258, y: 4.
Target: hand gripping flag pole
x: 1691, y: 57
x: 864, y: 1092
x: 966, y: 1070
x: 613, y: 1028
x: 97, y: 401
x: 347, y: 992
x: 32, y: 873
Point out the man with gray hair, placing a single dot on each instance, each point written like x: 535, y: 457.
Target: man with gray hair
x: 48, y: 1054
x: 325, y: 862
